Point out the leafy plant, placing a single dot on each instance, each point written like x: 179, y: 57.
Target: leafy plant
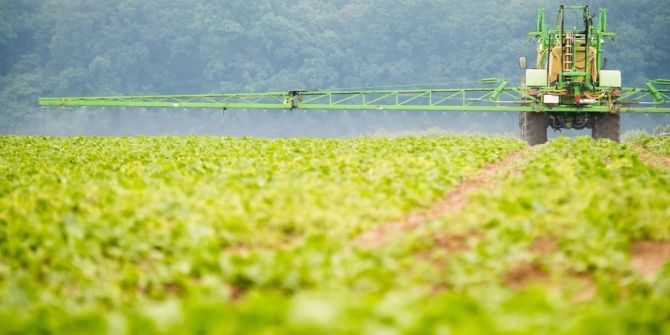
x: 220, y: 235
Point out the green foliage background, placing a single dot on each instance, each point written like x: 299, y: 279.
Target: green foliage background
x: 108, y: 47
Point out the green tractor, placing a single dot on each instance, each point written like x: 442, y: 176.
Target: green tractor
x: 570, y: 71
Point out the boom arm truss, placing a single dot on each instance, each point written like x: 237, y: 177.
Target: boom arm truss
x: 496, y: 98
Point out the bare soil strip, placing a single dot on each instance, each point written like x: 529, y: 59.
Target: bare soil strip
x: 523, y: 274
x: 581, y: 285
x: 452, y: 202
x: 652, y: 159
x: 544, y: 246
x: 648, y: 257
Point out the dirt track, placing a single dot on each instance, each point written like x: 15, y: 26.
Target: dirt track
x: 652, y: 159
x: 452, y: 202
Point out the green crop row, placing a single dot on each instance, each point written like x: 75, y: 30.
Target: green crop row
x: 124, y: 232
x: 562, y: 231
x: 178, y: 235
x: 548, y: 251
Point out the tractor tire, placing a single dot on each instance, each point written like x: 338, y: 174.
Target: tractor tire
x: 533, y: 127
x: 606, y: 125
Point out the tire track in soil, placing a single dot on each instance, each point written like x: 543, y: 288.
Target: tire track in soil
x: 648, y: 257
x: 652, y: 159
x: 523, y: 274
x: 454, y: 201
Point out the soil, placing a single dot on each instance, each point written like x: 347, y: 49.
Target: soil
x: 454, y: 243
x: 544, y: 246
x: 648, y: 257
x: 240, y: 250
x: 588, y: 288
x: 451, y: 244
x: 522, y: 274
x: 652, y: 159
x: 236, y: 293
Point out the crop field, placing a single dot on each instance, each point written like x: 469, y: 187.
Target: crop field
x: 408, y: 235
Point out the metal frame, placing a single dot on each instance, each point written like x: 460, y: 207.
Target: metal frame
x: 500, y: 98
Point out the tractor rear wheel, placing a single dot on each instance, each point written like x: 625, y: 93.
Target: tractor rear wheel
x: 606, y: 125
x: 533, y: 127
